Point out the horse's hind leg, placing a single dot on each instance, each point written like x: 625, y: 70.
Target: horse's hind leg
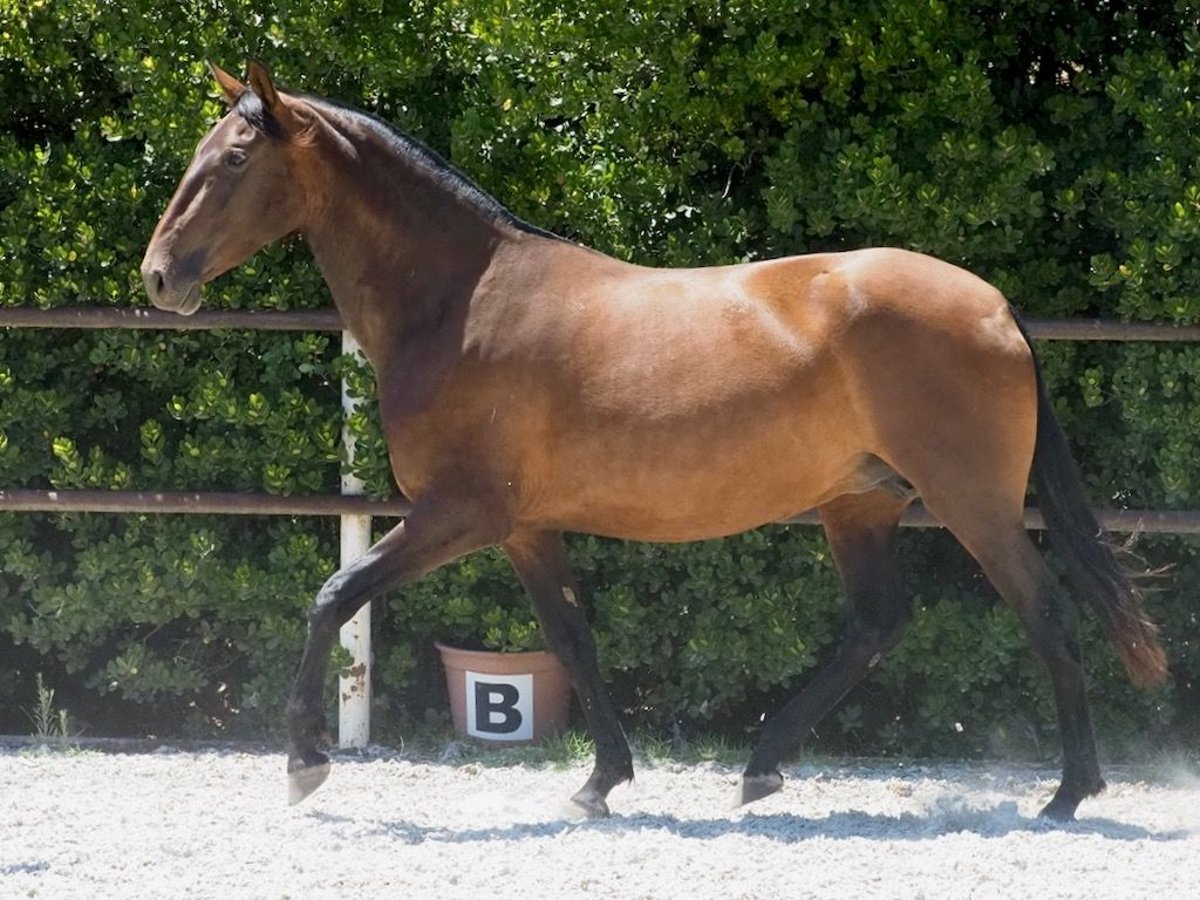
x: 1015, y: 567
x: 540, y: 561
x: 861, y: 530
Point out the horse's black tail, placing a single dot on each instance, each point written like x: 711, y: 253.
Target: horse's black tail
x: 1078, y: 540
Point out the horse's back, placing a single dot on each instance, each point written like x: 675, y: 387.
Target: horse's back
x: 797, y: 305
x: 885, y: 288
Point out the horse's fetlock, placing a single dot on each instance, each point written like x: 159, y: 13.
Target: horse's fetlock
x: 305, y: 719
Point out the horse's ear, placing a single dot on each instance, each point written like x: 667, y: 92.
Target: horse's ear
x: 261, y: 84
x: 231, y: 88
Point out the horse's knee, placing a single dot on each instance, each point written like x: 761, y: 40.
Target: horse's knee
x: 325, y: 609
x: 318, y: 614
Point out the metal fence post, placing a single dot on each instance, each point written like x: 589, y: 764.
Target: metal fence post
x: 354, y: 689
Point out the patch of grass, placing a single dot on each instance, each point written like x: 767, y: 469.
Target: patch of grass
x: 569, y: 748
x: 656, y: 748
x: 565, y: 750
x: 433, y: 740
x: 437, y: 743
x: 50, y: 725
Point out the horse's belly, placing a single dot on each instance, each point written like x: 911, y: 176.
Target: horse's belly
x: 693, y: 486
x: 630, y: 521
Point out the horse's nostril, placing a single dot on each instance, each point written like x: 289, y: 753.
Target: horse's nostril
x: 155, y: 281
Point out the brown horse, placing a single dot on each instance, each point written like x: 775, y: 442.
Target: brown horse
x: 530, y: 386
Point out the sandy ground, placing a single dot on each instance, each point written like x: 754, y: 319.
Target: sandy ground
x: 215, y: 824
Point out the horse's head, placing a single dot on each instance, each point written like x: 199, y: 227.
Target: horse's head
x: 241, y: 192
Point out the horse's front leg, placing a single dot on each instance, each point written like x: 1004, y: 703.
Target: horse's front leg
x: 437, y: 531
x: 540, y: 561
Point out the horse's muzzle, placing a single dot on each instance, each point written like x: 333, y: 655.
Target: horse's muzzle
x: 170, y: 291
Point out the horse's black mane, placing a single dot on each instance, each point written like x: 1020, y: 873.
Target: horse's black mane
x: 251, y: 108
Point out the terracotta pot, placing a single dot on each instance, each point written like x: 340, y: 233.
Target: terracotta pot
x: 506, y: 698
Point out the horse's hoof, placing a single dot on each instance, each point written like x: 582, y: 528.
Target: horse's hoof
x: 593, y: 806
x: 1067, y: 799
x: 1060, y: 810
x: 303, y: 781
x: 755, y: 787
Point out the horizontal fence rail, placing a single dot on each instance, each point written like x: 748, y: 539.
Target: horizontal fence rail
x: 91, y: 317
x: 209, y: 502
x: 94, y: 318
x: 224, y: 503
x: 237, y: 504
x: 1107, y: 330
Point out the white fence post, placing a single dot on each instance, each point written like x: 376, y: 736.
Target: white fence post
x: 354, y: 689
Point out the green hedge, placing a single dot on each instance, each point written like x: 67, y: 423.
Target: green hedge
x: 1049, y: 146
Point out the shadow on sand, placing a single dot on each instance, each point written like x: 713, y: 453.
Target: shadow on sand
x: 989, y: 822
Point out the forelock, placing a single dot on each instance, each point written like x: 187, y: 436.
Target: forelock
x: 251, y: 108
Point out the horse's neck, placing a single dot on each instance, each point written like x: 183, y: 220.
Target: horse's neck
x: 401, y: 255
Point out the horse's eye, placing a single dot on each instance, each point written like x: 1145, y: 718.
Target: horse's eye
x: 235, y: 157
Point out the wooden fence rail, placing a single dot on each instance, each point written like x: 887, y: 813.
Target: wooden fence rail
x: 91, y: 317
x: 237, y: 504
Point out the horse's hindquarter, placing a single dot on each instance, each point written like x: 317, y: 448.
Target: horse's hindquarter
x: 942, y: 374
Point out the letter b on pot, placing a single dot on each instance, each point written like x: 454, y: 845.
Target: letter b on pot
x: 500, y: 707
